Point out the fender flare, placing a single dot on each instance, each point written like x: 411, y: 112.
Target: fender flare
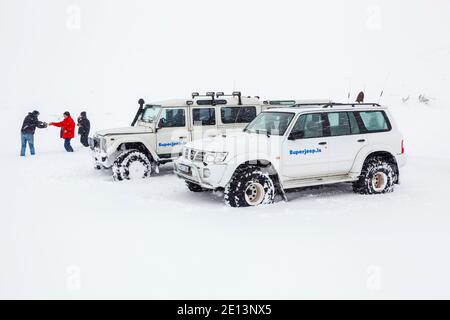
x: 362, y: 155
x: 238, y: 161
x: 117, y: 143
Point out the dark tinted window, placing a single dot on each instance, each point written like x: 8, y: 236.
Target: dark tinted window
x: 353, y: 123
x: 204, y: 116
x: 172, y: 118
x: 339, y: 123
x: 374, y: 121
x: 310, y: 124
x: 237, y: 114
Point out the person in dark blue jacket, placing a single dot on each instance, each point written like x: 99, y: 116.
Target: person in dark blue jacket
x: 84, y: 126
x: 30, y: 123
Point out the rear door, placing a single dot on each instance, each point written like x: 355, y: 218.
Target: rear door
x: 307, y: 156
x: 173, y: 131
x: 345, y: 140
x: 204, y: 122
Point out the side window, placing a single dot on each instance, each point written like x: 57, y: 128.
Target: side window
x: 311, y: 125
x: 374, y: 121
x: 353, y: 123
x: 204, y: 116
x: 339, y: 123
x: 237, y: 114
x: 171, y: 118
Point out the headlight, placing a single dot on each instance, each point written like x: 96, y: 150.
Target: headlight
x: 103, y: 144
x: 215, y: 157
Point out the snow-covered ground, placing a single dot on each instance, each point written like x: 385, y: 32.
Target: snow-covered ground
x: 62, y: 222
x: 67, y: 231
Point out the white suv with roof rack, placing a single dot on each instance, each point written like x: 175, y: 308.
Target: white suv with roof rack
x: 160, y: 130
x: 306, y: 144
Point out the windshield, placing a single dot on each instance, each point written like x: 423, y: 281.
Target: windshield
x: 150, y: 113
x: 274, y: 123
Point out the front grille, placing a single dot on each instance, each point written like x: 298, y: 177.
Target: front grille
x: 193, y: 155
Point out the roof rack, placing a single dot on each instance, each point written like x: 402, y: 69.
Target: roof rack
x: 332, y: 104
x: 234, y: 94
x: 215, y: 98
x: 293, y: 102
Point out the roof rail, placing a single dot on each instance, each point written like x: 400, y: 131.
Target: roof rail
x: 332, y: 104
x: 294, y: 102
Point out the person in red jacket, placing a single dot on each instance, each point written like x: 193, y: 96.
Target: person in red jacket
x: 67, y: 130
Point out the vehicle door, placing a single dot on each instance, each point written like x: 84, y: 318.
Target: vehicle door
x: 345, y: 141
x: 204, y: 122
x: 305, y: 151
x: 173, y: 131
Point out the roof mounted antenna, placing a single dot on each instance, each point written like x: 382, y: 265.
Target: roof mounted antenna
x: 381, y: 95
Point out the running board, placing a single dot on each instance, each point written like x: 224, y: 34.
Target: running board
x: 299, y: 183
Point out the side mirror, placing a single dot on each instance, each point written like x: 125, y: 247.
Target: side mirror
x: 296, y: 135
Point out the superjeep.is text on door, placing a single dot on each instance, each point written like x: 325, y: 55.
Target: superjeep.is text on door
x: 298, y: 146
x: 160, y: 130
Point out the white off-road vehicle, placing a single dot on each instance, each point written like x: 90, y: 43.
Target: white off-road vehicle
x: 160, y: 130
x: 298, y: 146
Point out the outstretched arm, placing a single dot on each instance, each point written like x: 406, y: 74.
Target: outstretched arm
x: 41, y: 125
x: 56, y: 124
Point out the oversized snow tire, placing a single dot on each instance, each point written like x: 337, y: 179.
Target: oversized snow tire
x: 249, y: 186
x: 121, y: 167
x: 194, y: 187
x: 377, y: 176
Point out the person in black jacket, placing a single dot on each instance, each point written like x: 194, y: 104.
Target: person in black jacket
x: 84, y: 126
x: 30, y: 123
x: 360, y: 97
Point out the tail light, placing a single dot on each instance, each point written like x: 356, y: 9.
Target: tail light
x: 403, y: 147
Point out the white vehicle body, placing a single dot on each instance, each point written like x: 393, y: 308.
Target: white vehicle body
x: 297, y: 162
x: 159, y: 138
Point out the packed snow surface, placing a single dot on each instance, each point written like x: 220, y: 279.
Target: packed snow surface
x: 68, y: 231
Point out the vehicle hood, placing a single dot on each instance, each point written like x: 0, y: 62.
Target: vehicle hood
x: 123, y: 130
x: 237, y: 143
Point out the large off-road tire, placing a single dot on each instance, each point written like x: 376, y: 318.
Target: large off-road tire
x: 194, y: 187
x: 249, y: 186
x: 131, y: 164
x: 377, y: 176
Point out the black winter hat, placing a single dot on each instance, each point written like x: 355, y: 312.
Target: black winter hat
x: 83, y: 113
x: 67, y: 113
x: 35, y: 113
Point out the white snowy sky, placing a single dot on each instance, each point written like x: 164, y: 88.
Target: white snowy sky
x: 114, y: 52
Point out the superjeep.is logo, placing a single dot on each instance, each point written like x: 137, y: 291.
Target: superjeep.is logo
x: 305, y: 151
x: 171, y: 144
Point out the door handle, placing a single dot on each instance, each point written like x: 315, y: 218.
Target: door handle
x: 362, y: 140
x: 182, y: 137
x: 322, y: 143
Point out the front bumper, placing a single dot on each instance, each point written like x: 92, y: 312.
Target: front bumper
x: 197, y: 172
x: 101, y: 158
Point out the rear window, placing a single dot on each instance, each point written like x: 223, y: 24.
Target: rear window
x: 374, y: 121
x: 237, y: 114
